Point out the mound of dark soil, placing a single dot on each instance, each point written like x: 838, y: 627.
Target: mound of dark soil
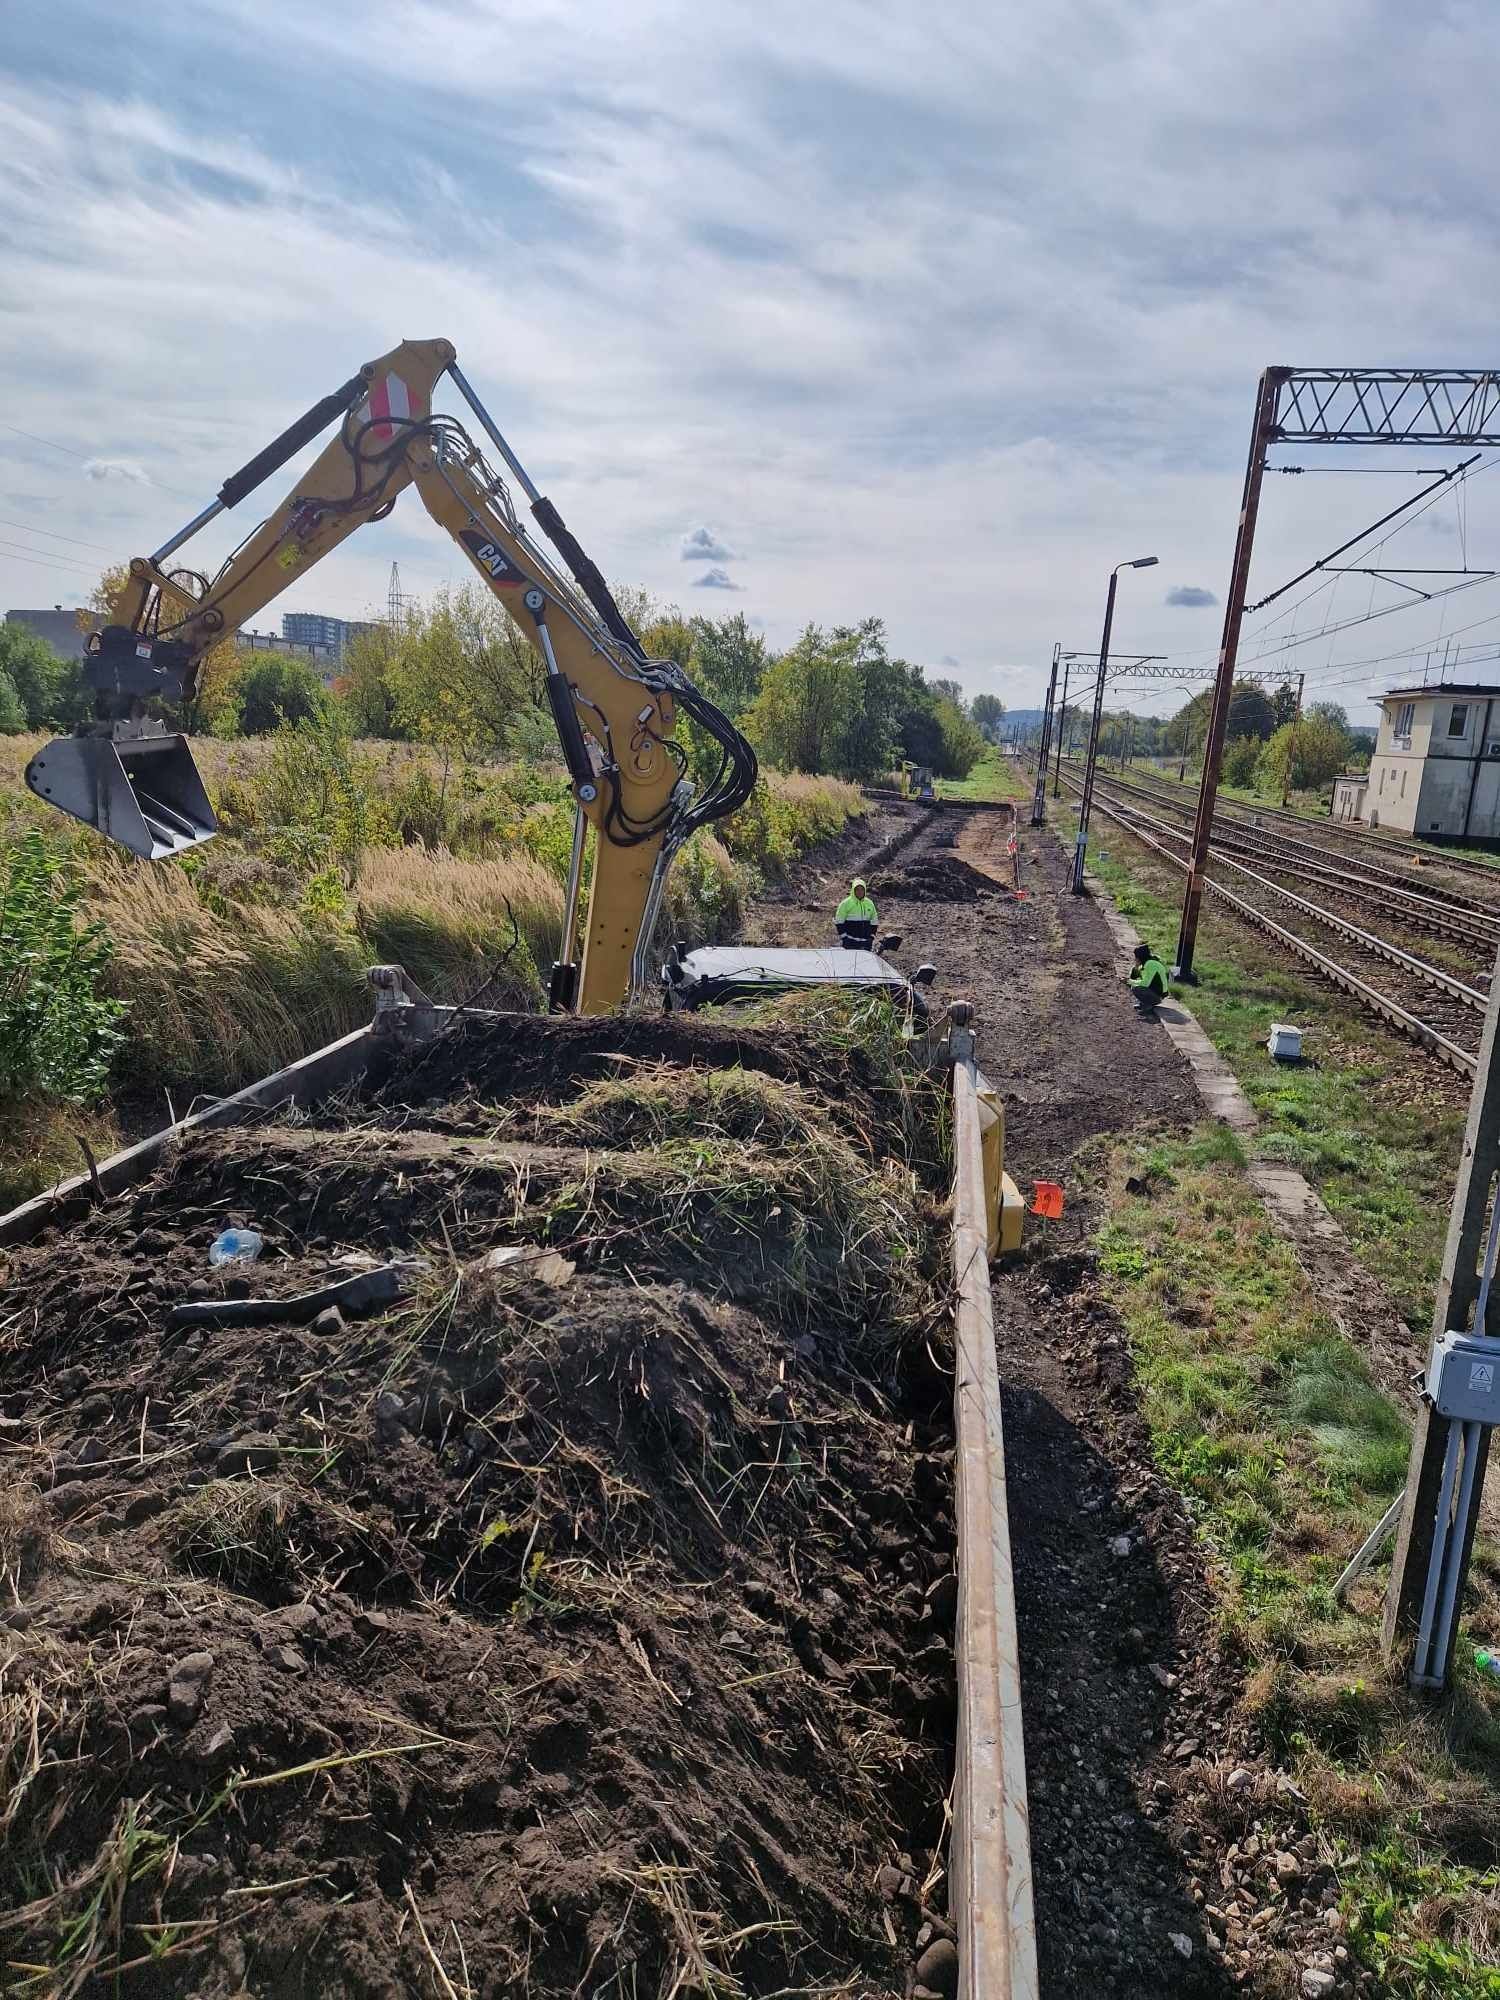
x: 519, y: 1058
x: 937, y: 878
x: 566, y: 1631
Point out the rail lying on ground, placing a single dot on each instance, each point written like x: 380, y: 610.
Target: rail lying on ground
x: 990, y: 1858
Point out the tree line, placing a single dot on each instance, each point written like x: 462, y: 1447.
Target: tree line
x: 1267, y: 745
x: 457, y: 674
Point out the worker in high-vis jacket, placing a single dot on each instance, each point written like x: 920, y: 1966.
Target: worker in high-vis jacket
x: 854, y: 919
x: 1148, y: 982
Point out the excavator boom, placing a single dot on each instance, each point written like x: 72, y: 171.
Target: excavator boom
x: 614, y: 708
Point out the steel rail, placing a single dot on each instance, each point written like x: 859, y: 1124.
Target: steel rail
x: 1459, y: 922
x: 990, y: 1850
x: 1393, y: 846
x: 1369, y: 996
x: 1420, y: 968
x: 1486, y: 919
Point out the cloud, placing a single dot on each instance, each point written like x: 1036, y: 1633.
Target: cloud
x: 659, y: 351
x: 703, y: 545
x: 117, y: 468
x: 1189, y: 597
x: 947, y: 660
x: 716, y: 579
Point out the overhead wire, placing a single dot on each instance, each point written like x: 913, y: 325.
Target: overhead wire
x: 52, y: 535
x: 36, y: 561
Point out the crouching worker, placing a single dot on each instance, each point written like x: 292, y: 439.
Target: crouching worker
x: 854, y: 919
x: 1148, y: 982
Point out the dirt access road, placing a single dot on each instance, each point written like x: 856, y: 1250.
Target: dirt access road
x: 1122, y: 1682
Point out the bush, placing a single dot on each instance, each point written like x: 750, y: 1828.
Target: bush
x: 45, y: 684
x: 57, y: 1032
x: 317, y: 799
x: 1240, y: 759
x: 271, y: 691
x: 12, y: 715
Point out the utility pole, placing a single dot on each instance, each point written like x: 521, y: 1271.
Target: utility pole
x: 1086, y: 798
x: 1062, y: 731
x: 1431, y: 1470
x: 1291, y: 749
x: 1187, y: 730
x: 1127, y: 742
x: 1039, y: 797
x: 1229, y: 646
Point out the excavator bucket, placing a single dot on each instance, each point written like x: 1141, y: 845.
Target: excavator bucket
x: 143, y: 792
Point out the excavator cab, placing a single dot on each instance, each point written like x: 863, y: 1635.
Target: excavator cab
x: 125, y: 774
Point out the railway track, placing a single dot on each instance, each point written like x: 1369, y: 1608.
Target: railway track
x: 1297, y: 835
x: 1466, y: 993
x: 1444, y: 913
x: 1445, y: 1025
x: 1395, y: 847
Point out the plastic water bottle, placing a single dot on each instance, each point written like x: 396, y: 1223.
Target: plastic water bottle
x: 1488, y: 1663
x: 236, y: 1246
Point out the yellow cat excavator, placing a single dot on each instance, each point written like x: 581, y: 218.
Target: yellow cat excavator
x: 133, y: 778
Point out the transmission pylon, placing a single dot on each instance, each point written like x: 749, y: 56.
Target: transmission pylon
x: 395, y: 600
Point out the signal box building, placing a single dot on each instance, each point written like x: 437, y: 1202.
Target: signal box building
x: 1435, y: 771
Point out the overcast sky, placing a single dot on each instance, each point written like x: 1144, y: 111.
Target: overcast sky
x: 810, y: 311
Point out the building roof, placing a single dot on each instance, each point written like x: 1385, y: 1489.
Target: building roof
x: 1438, y: 690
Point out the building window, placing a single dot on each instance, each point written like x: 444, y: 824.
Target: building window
x: 1402, y: 726
x: 1403, y: 784
x: 1382, y: 781
x: 1458, y: 719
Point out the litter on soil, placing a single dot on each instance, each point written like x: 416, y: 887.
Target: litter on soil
x: 580, y: 1625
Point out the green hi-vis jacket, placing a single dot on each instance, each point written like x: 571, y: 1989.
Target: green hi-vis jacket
x: 1152, y: 973
x: 855, y: 910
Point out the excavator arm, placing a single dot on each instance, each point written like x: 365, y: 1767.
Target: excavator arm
x: 615, y: 709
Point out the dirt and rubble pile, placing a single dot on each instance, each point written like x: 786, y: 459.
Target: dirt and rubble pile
x: 580, y: 1625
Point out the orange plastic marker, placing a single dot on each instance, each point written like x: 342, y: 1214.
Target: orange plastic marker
x: 1049, y: 1200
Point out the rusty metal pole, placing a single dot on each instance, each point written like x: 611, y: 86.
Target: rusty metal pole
x: 1062, y: 730
x: 1291, y: 749
x: 1039, y: 797
x: 1229, y: 646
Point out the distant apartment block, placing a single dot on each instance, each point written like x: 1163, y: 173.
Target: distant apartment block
x: 59, y: 627
x: 329, y: 635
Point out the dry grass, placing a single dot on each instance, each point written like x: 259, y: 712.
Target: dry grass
x: 27, y: 1539
x: 658, y: 1102
x: 234, y: 1530
x: 443, y: 917
x: 224, y: 995
x: 808, y: 1228
x: 40, y: 1145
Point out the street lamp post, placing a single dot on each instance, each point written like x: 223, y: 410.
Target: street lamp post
x: 1086, y: 798
x: 1062, y: 725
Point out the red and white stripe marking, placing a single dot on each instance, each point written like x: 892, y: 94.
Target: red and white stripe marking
x: 388, y: 398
